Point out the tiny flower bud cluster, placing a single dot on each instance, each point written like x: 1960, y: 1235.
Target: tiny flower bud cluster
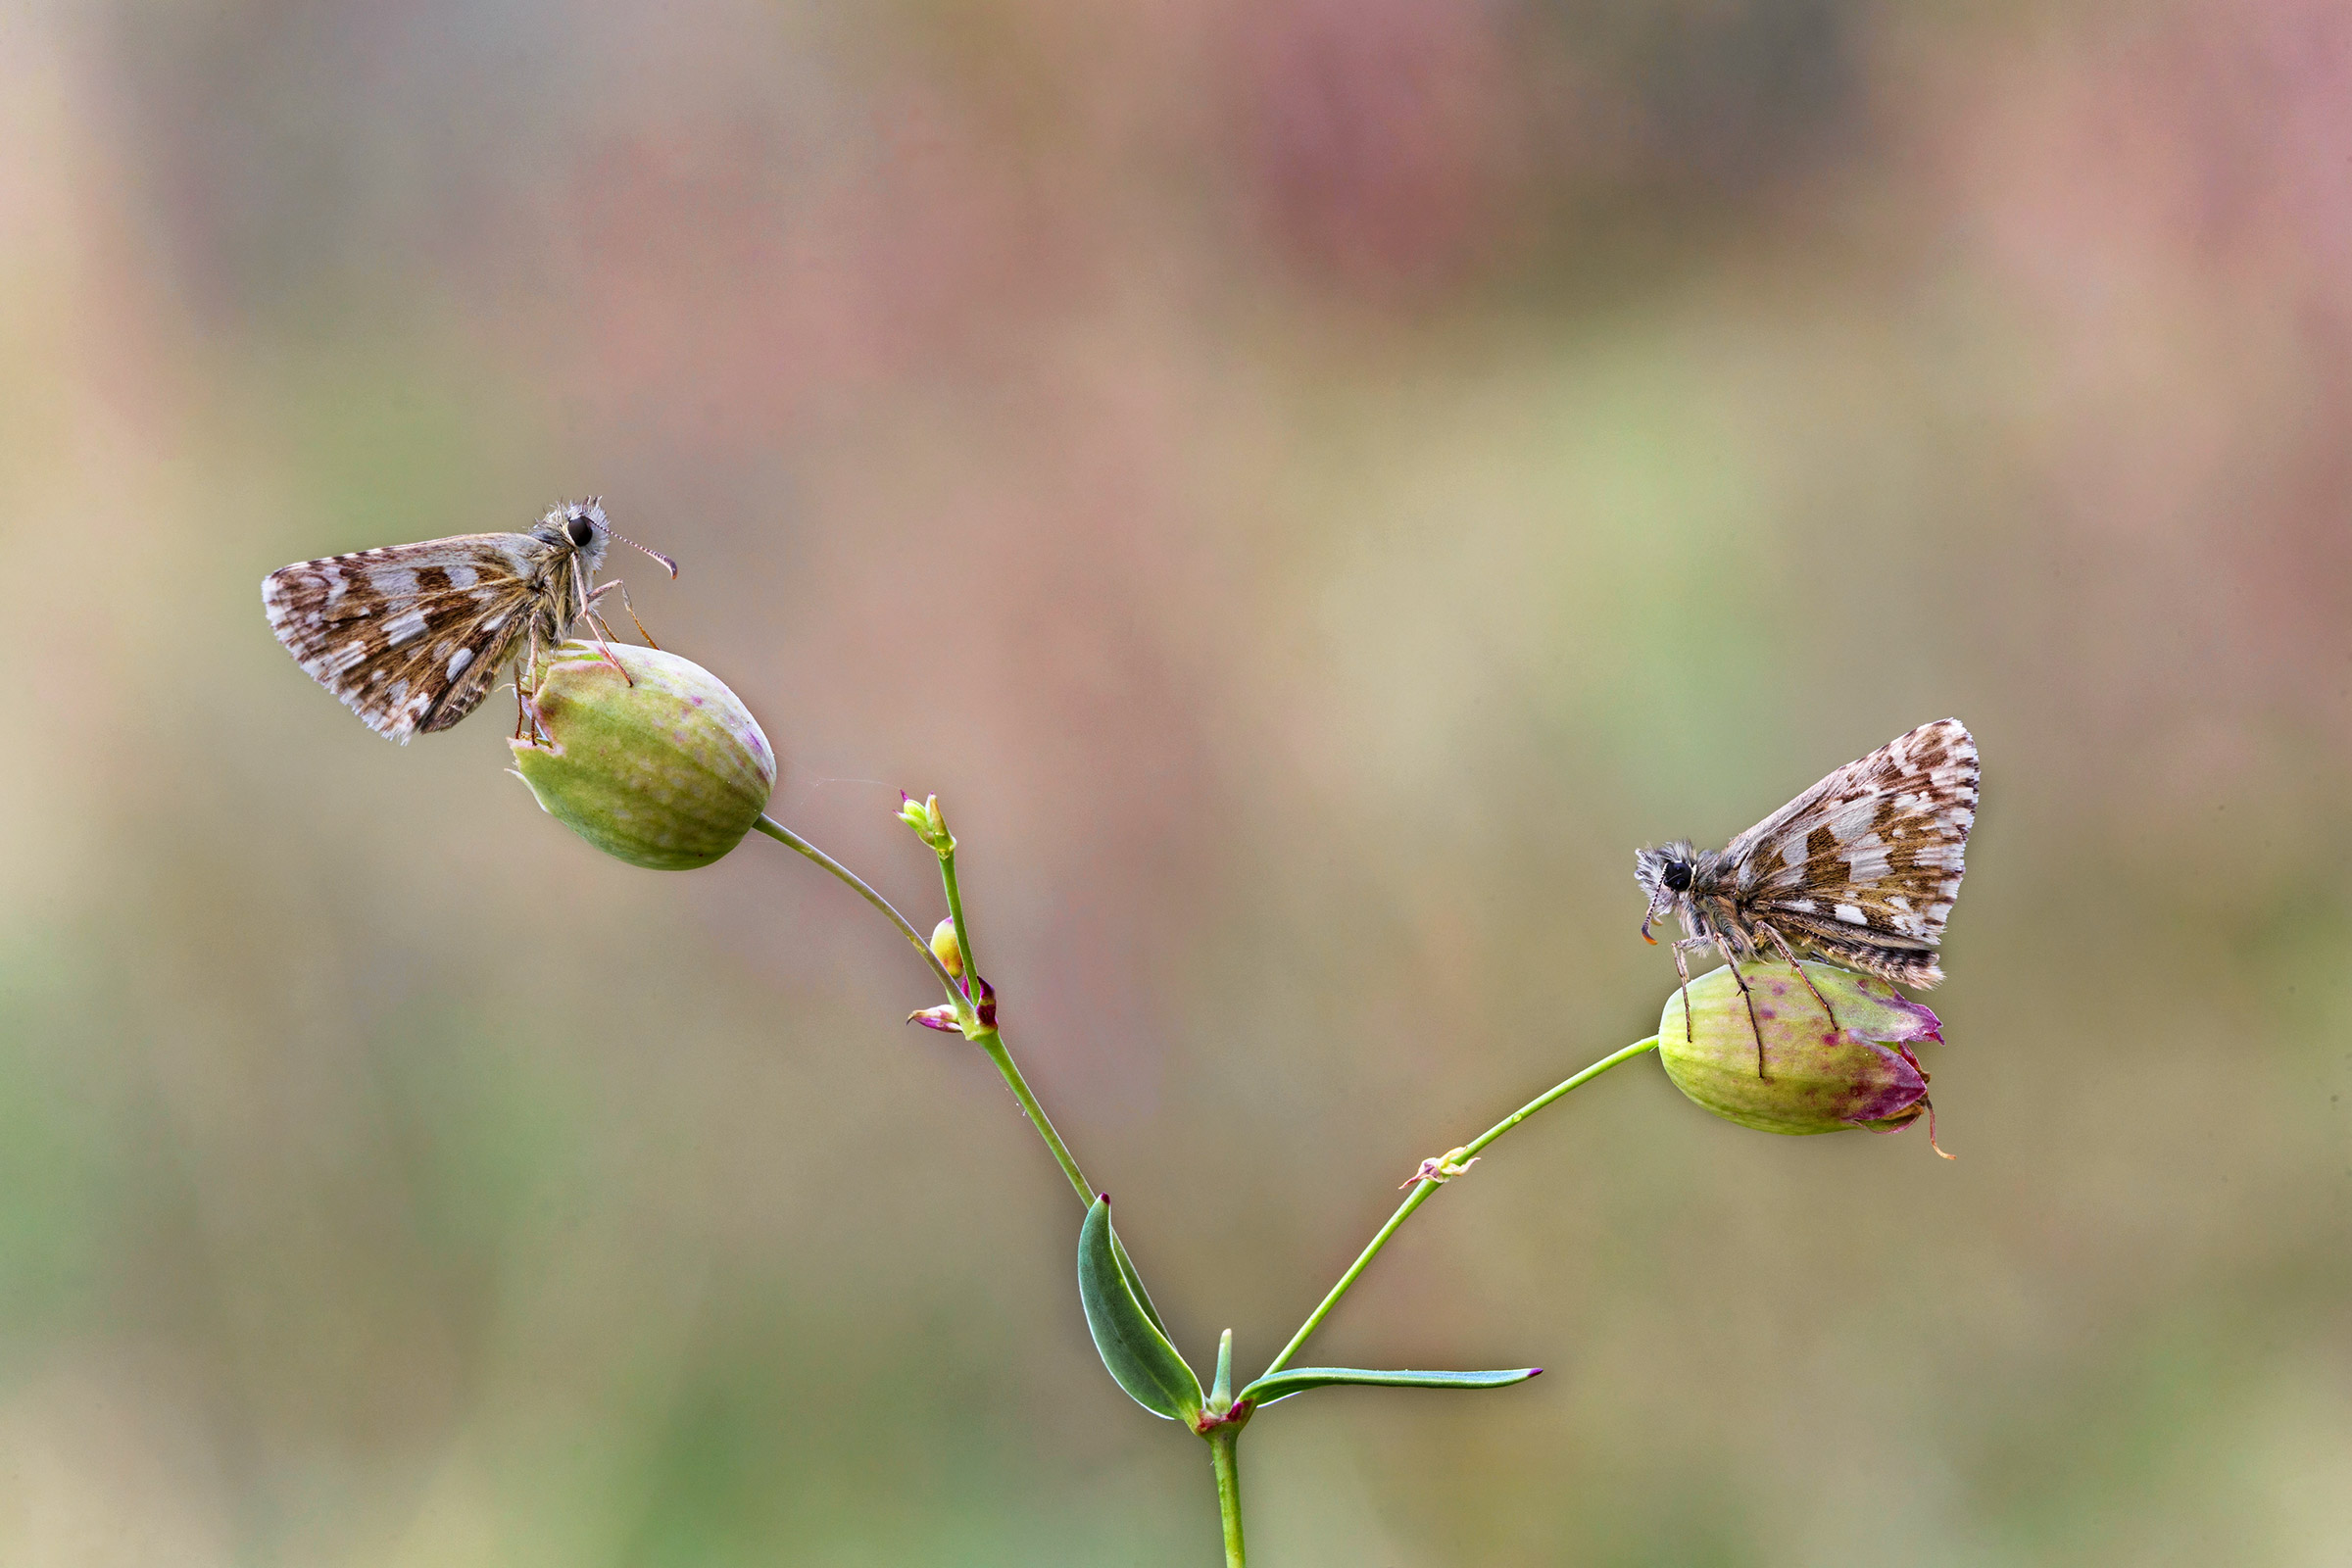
x: 929, y: 825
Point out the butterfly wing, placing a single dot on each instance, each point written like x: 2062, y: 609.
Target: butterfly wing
x: 1866, y: 864
x: 411, y: 636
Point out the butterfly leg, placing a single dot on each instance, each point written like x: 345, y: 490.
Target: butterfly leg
x: 616, y: 583
x: 1782, y: 942
x: 596, y: 622
x: 526, y: 672
x: 1731, y: 957
x: 1682, y: 967
x: 604, y: 633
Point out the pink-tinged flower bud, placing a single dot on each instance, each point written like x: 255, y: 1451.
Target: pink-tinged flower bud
x: 1817, y: 1078
x: 662, y: 767
x: 944, y: 947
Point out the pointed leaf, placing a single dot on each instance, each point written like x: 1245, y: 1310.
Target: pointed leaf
x: 1135, y: 1283
x: 1298, y: 1379
x: 1132, y: 1346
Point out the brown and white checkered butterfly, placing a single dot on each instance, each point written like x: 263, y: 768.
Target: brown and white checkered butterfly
x: 410, y: 637
x: 1861, y: 869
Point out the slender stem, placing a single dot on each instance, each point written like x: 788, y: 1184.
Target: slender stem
x: 990, y: 1041
x: 1422, y: 1189
x: 1636, y: 1048
x: 1221, y: 1444
x: 1419, y: 1196
x: 787, y: 837
x: 963, y: 936
x: 993, y: 1043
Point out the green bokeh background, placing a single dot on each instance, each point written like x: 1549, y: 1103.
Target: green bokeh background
x: 1312, y: 484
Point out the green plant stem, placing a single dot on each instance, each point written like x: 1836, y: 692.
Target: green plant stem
x: 791, y: 840
x: 1221, y: 1445
x: 1614, y: 1059
x: 990, y: 1041
x: 963, y: 936
x: 1424, y: 1188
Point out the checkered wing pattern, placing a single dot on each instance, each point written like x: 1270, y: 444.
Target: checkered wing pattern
x: 1864, y: 865
x: 410, y: 637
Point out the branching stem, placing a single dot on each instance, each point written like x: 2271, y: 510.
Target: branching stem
x: 1423, y: 1189
x: 791, y: 840
x: 988, y: 1040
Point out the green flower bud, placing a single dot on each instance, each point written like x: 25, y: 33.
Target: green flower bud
x: 661, y: 766
x: 1816, y: 1077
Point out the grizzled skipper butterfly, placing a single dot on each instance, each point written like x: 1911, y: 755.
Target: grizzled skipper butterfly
x: 1862, y: 868
x: 411, y: 636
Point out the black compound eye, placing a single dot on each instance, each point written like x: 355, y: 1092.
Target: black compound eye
x: 1677, y: 877
x: 579, y: 530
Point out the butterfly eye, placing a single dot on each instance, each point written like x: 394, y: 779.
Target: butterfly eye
x: 1677, y: 877
x: 579, y: 530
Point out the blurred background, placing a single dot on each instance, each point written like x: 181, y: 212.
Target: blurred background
x: 1313, y: 484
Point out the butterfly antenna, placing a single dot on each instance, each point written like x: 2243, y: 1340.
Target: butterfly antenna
x: 667, y: 565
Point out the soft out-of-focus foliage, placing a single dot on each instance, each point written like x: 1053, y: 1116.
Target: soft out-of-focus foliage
x: 1314, y: 485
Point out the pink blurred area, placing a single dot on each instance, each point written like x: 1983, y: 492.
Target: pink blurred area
x: 1312, y: 486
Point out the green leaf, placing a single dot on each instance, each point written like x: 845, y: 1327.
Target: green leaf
x: 1135, y: 1281
x: 1127, y: 1332
x: 1298, y: 1379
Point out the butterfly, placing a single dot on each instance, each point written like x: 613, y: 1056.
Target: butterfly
x: 410, y: 637
x: 1861, y: 869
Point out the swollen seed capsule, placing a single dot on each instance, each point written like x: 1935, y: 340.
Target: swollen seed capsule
x: 1814, y: 1077
x: 662, y: 767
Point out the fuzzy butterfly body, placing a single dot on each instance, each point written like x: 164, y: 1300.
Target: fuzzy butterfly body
x: 1862, y: 868
x: 412, y: 637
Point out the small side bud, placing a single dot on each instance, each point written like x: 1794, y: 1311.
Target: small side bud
x: 1441, y: 1169
x: 661, y: 766
x: 944, y: 947
x: 1822, y: 1078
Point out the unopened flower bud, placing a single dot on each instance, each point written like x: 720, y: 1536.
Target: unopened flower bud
x: 660, y: 766
x: 925, y: 818
x: 1816, y: 1077
x: 944, y: 945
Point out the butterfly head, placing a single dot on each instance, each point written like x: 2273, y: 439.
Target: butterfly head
x: 1665, y: 875
x: 578, y: 527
